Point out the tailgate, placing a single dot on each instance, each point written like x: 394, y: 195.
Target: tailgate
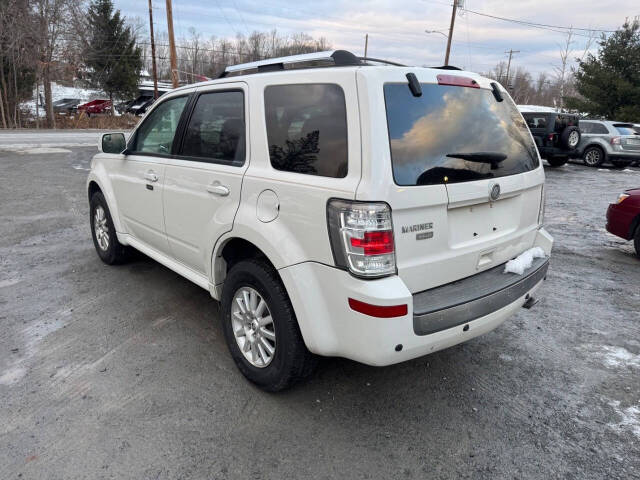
x: 469, y: 182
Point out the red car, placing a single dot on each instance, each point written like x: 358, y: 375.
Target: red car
x: 623, y: 217
x: 95, y: 106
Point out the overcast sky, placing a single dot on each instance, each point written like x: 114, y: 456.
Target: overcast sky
x: 396, y: 28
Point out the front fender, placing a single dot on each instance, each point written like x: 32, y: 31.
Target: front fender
x: 99, y: 176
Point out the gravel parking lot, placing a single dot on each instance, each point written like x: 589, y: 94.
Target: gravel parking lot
x: 122, y: 372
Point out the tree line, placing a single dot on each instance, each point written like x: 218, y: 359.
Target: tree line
x: 94, y: 45
x: 72, y: 42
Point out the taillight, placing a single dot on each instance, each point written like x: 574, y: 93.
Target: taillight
x: 551, y: 137
x: 615, y: 141
x: 361, y: 237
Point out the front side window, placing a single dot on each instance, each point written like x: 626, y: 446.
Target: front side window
x: 455, y: 134
x: 307, y: 129
x: 216, y: 129
x: 156, y: 133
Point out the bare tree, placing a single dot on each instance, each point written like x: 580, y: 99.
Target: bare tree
x: 562, y: 70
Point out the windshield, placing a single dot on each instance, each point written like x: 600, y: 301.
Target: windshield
x: 454, y: 134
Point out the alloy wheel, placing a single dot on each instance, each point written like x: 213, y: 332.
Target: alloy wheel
x: 100, y: 228
x: 592, y: 157
x: 253, y: 327
x: 574, y: 138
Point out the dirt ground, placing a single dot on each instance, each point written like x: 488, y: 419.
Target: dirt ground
x: 122, y: 372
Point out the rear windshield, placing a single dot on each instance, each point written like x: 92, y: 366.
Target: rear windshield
x: 455, y: 134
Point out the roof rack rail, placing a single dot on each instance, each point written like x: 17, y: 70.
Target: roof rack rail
x: 379, y: 60
x: 330, y: 58
x: 447, y: 67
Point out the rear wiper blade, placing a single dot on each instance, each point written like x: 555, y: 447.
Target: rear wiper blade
x: 493, y: 158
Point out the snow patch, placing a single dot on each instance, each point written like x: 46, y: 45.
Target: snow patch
x: 619, y: 357
x: 536, y: 109
x: 38, y: 150
x: 43, y: 147
x: 12, y: 375
x: 58, y: 92
x: 524, y: 261
x: 630, y: 417
x: 9, y: 281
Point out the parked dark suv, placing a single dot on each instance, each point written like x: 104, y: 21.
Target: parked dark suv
x: 556, y: 135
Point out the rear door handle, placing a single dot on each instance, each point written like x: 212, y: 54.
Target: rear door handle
x: 218, y: 189
x: 151, y: 176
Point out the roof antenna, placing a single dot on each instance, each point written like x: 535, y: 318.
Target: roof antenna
x: 414, y: 85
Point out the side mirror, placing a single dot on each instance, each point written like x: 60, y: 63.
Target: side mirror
x: 113, y: 143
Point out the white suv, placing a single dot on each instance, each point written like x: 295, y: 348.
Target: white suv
x: 335, y: 206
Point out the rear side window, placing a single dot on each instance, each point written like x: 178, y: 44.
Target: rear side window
x: 216, y: 129
x: 625, y: 129
x: 307, y: 129
x: 156, y: 133
x: 454, y: 134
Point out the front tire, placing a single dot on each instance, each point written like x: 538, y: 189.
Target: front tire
x: 261, y: 329
x: 103, y: 232
x: 636, y: 241
x: 593, y: 157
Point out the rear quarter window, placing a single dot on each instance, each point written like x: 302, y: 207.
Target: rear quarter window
x: 307, y: 129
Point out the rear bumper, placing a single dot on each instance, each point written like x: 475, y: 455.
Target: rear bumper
x: 472, y: 297
x: 319, y: 295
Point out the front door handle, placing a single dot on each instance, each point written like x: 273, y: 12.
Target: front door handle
x: 218, y: 189
x: 151, y: 176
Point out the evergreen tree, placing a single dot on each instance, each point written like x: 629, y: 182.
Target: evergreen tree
x: 609, y: 82
x: 112, y: 56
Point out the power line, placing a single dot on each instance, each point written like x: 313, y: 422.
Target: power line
x: 542, y: 25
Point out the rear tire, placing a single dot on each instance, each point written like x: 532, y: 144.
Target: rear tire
x: 290, y: 362
x: 557, y: 162
x: 636, y: 241
x: 593, y: 157
x: 103, y: 232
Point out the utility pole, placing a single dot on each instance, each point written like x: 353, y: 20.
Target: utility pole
x: 510, y: 52
x: 366, y: 44
x: 172, y: 46
x: 453, y: 20
x: 153, y: 53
